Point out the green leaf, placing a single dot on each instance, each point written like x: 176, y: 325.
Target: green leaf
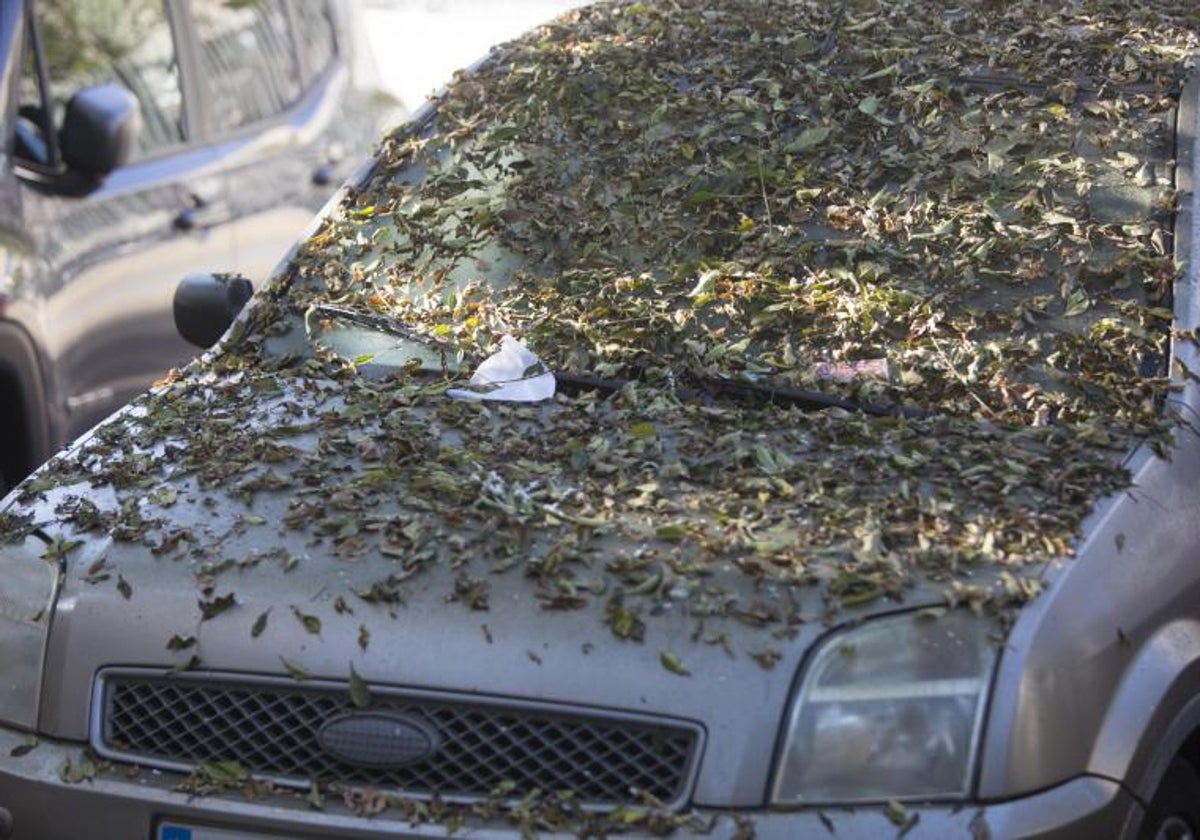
x: 225, y: 772
x: 673, y: 664
x: 73, y: 774
x: 296, y: 672
x: 192, y: 663
x: 164, y: 496
x: 674, y: 533
x: 311, y: 623
x: 869, y: 105
x: 624, y: 623
x: 59, y: 548
x: 359, y: 693
x: 1078, y: 302
x: 809, y: 138
x: 765, y: 460
x: 314, y: 798
x: 643, y: 430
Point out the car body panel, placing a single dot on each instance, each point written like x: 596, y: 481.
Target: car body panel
x: 1136, y: 572
x: 43, y: 805
x: 93, y: 628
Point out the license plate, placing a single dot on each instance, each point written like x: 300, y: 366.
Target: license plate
x: 182, y: 831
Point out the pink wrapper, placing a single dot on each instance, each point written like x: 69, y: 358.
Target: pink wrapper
x: 849, y: 371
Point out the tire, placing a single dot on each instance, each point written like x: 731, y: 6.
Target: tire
x: 1174, y: 813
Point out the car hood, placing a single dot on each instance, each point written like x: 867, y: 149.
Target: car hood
x: 627, y: 551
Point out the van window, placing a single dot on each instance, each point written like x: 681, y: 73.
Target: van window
x: 247, y: 59
x: 88, y: 43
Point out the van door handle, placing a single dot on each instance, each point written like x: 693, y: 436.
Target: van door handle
x: 204, y: 214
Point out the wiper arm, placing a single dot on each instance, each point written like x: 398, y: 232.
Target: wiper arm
x: 715, y: 386
x: 803, y: 398
x: 373, y: 320
x: 574, y: 383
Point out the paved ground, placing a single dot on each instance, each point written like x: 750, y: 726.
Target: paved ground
x: 418, y: 44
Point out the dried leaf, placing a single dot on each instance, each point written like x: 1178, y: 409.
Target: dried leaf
x: 809, y: 138
x: 360, y: 694
x: 29, y: 744
x: 213, y: 608
x: 178, y: 642
x: 260, y: 624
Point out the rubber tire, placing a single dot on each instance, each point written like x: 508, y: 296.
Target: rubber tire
x: 1177, y: 797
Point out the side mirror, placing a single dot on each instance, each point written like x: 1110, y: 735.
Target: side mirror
x: 100, y: 129
x: 206, y: 304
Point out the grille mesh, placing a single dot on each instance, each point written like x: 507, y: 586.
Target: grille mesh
x: 271, y: 730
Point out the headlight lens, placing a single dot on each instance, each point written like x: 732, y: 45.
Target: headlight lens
x: 27, y: 589
x: 891, y: 709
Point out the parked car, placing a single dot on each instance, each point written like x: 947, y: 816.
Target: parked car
x: 714, y: 417
x: 149, y: 139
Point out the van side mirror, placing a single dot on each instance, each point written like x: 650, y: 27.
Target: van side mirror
x: 100, y: 129
x: 206, y: 304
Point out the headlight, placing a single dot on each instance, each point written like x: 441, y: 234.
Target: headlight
x: 890, y: 709
x: 27, y: 589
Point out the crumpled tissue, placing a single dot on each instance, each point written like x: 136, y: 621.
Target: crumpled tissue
x: 511, y: 374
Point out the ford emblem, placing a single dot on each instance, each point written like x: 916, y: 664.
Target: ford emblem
x: 378, y: 739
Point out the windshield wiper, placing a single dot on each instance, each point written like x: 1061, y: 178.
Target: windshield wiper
x: 371, y: 320
x: 718, y: 387
x: 802, y: 398
x: 698, y: 386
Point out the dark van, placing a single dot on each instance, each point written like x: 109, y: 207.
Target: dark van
x: 145, y: 140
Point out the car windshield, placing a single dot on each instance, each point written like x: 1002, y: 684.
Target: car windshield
x: 837, y: 204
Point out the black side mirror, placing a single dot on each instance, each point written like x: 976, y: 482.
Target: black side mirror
x: 206, y: 304
x: 100, y: 129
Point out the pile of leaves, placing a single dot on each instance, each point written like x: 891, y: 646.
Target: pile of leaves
x: 755, y: 188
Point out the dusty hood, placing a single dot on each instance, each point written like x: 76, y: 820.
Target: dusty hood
x: 595, y: 545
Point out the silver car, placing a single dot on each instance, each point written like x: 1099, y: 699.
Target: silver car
x: 724, y: 417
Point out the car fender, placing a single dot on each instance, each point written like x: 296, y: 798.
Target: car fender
x: 1154, y: 711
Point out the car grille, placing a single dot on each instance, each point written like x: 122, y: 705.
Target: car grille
x: 271, y: 729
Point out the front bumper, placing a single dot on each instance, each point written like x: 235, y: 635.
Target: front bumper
x: 114, y: 803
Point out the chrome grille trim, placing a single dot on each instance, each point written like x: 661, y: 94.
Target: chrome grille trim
x: 176, y: 721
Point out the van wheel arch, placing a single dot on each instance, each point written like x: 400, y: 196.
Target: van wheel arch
x: 25, y: 439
